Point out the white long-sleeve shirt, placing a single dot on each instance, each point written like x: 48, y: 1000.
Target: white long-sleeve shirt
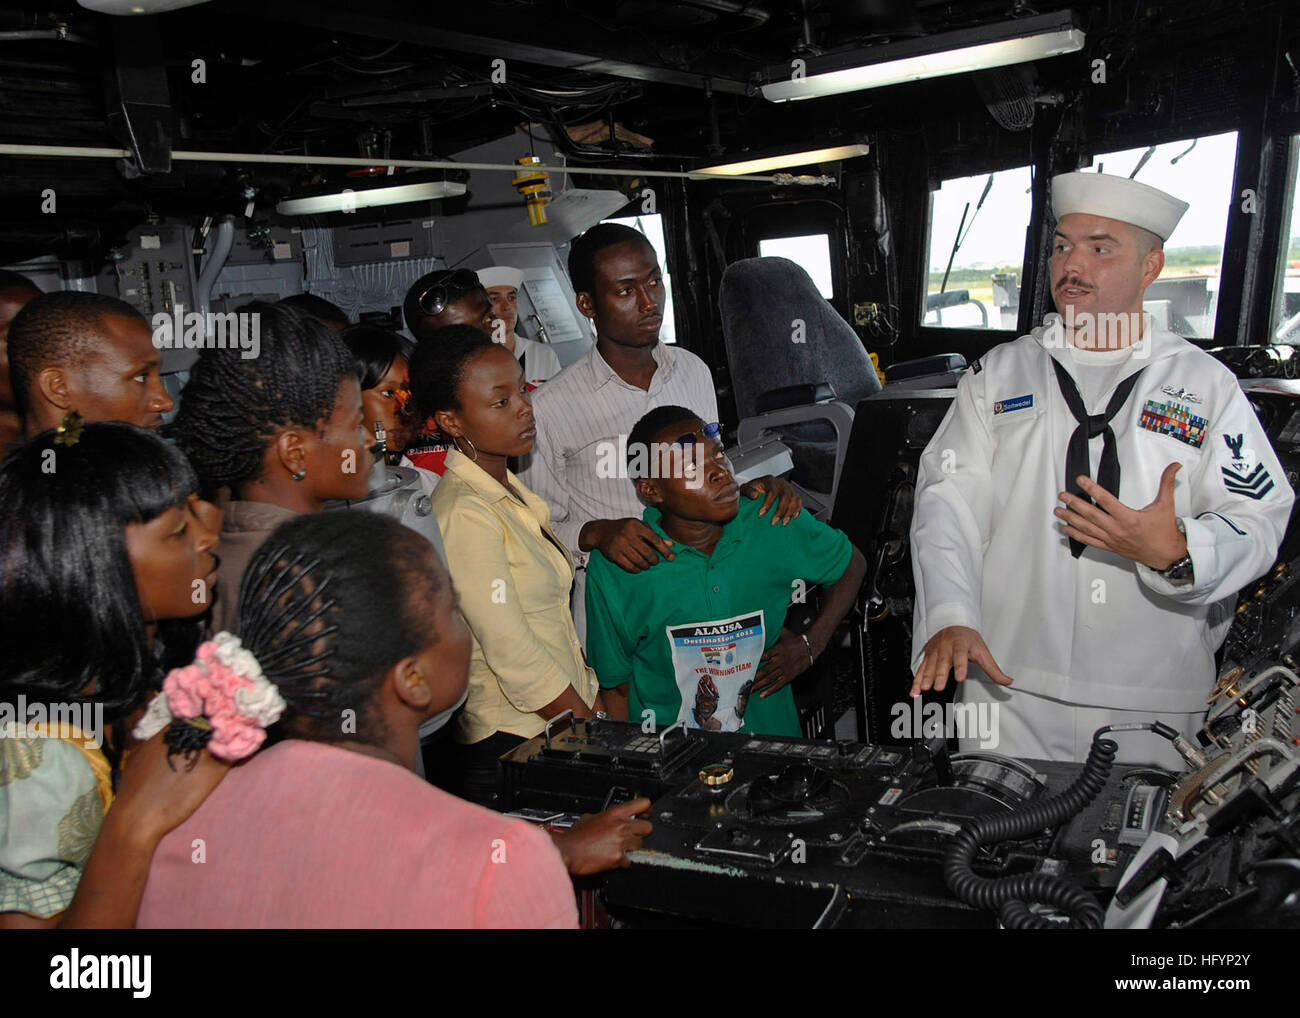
x: 583, y: 409
x: 1100, y: 630
x: 579, y: 413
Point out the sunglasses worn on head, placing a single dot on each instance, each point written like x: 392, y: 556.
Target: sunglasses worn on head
x: 435, y: 299
x: 710, y: 432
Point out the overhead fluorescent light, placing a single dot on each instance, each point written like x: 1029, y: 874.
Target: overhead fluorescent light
x: 348, y: 200
x: 137, y: 6
x: 998, y: 45
x: 788, y: 159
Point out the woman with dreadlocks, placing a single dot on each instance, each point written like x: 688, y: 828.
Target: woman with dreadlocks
x: 327, y: 826
x: 282, y: 431
x: 105, y: 564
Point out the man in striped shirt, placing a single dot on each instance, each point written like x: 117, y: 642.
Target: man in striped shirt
x: 585, y: 413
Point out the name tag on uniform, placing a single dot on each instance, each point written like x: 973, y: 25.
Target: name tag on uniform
x: 1006, y: 406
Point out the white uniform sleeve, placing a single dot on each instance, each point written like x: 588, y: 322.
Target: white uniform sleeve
x: 951, y: 519
x: 1241, y: 502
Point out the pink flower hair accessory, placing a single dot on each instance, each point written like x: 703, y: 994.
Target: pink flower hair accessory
x: 221, y: 701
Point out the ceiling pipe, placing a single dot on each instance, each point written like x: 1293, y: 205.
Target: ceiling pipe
x: 754, y: 14
x: 53, y: 34
x: 222, y: 243
x: 84, y: 152
x: 355, y: 21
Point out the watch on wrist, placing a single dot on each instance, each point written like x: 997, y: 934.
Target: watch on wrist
x: 1180, y: 572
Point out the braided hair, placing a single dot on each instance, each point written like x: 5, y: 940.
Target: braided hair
x: 328, y: 604
x: 233, y: 405
x: 438, y: 366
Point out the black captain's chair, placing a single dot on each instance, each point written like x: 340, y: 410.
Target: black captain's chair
x: 801, y: 383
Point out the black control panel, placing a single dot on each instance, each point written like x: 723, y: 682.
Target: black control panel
x: 770, y: 831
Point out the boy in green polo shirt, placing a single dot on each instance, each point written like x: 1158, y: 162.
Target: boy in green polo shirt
x: 700, y: 636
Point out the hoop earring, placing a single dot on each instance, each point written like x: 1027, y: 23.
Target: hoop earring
x: 472, y: 454
x: 301, y: 475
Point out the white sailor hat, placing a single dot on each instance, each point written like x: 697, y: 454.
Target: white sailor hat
x: 500, y: 275
x: 1101, y: 194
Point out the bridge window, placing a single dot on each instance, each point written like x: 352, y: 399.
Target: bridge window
x: 1286, y: 291
x: 652, y: 228
x: 976, y: 250
x: 813, y: 252
x: 1185, y: 296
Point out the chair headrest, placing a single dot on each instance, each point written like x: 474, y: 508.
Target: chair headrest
x: 794, y: 395
x: 780, y: 331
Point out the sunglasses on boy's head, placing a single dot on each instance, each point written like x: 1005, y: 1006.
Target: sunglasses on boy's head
x: 709, y: 441
x: 448, y: 289
x: 709, y: 433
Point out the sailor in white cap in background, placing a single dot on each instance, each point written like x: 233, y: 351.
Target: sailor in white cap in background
x: 537, y: 359
x: 1087, y: 511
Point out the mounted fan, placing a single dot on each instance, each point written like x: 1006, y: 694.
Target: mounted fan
x: 1012, y: 95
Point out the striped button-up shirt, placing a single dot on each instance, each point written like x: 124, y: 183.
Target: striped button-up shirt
x: 582, y: 413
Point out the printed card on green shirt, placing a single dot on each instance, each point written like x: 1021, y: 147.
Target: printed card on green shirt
x: 641, y: 627
x: 714, y: 663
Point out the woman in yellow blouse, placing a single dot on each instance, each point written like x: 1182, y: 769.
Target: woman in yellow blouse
x: 513, y: 578
x: 512, y: 573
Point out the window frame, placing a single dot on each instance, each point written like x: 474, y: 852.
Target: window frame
x: 801, y: 217
x: 931, y: 339
x: 1178, y: 136
x: 1288, y: 209
x: 830, y: 256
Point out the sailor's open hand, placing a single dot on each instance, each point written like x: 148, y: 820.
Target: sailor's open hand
x: 952, y: 649
x: 1148, y: 535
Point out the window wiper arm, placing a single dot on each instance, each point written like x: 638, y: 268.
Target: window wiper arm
x: 960, y: 239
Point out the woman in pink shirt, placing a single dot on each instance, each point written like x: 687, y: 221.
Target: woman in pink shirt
x: 330, y: 826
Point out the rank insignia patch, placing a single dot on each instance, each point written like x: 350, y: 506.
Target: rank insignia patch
x: 1175, y: 420
x: 1238, y: 477
x: 1256, y: 485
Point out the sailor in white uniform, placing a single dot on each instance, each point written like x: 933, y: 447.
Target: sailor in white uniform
x: 537, y: 359
x: 1087, y: 511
